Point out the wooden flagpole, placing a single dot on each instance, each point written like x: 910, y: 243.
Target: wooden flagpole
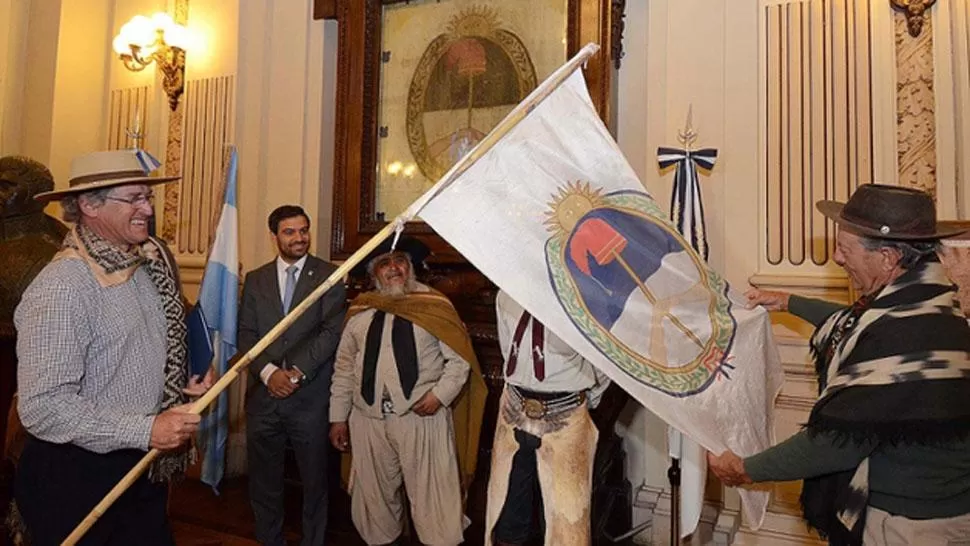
x: 511, y: 120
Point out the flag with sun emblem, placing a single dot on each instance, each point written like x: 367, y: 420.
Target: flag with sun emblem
x: 611, y: 253
x: 555, y: 216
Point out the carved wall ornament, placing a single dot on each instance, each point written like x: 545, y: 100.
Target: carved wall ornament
x: 915, y: 12
x: 915, y: 109
x: 818, y: 112
x: 173, y: 149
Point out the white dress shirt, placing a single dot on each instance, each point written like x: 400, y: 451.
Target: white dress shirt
x: 565, y: 369
x: 281, y: 266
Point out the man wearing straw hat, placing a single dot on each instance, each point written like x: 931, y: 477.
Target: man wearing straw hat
x: 102, y: 372
x: 885, y: 454
x: 403, y: 359
x: 289, y: 382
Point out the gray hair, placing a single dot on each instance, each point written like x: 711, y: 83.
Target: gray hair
x: 910, y: 252
x: 71, y: 203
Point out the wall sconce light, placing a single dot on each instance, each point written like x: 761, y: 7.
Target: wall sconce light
x: 160, y: 39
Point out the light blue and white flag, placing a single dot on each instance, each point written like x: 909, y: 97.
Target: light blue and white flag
x: 218, y: 304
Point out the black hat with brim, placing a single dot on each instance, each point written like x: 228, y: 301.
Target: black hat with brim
x: 889, y: 212
x: 414, y: 248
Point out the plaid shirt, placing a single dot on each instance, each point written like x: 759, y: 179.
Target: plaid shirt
x: 91, y: 358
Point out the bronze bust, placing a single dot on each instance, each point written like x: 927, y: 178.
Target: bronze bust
x: 28, y: 237
x: 28, y: 240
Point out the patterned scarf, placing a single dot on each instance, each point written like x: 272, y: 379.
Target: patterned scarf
x: 893, y: 369
x: 112, y: 265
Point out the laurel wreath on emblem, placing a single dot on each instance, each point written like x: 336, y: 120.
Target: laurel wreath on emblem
x: 470, y: 25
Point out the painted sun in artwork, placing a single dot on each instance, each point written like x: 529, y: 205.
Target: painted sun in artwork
x: 570, y: 205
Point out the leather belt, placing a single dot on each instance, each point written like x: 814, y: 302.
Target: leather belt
x: 538, y: 408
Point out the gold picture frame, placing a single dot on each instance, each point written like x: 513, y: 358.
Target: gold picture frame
x: 390, y: 52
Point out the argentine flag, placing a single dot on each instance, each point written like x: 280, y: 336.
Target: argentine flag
x: 217, y: 308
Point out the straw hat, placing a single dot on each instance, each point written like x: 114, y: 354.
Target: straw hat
x: 889, y: 212
x: 100, y: 170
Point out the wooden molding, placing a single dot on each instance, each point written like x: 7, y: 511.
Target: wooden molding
x: 324, y: 9
x: 800, y: 281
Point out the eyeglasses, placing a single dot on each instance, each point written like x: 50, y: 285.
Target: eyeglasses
x: 135, y: 200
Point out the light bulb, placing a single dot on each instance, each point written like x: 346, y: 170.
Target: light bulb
x: 120, y: 45
x: 178, y: 36
x: 139, y: 31
x: 162, y: 20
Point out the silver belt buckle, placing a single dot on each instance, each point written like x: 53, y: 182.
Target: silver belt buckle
x: 534, y: 409
x: 387, y: 407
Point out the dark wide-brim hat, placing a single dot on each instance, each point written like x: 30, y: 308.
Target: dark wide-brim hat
x: 414, y: 248
x: 962, y: 225
x: 100, y: 170
x: 882, y: 211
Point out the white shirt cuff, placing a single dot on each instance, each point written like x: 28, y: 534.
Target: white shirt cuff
x: 266, y: 372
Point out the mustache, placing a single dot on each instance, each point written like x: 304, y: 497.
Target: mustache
x: 410, y: 281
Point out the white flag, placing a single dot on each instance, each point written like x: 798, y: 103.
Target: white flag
x: 554, y: 215
x: 693, y: 475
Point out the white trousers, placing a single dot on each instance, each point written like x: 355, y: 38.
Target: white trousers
x: 417, y: 453
x: 885, y: 529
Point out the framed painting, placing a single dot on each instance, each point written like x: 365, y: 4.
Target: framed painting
x: 420, y: 82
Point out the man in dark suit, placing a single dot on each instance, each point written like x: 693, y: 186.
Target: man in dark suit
x: 289, y: 393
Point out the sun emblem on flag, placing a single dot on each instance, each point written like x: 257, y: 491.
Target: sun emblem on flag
x: 636, y: 290
x: 573, y: 201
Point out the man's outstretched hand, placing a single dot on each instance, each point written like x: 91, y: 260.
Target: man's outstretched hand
x: 771, y: 300
x: 729, y: 468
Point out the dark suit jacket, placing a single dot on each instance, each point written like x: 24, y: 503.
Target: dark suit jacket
x: 309, y: 344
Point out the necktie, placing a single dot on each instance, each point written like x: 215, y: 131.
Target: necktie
x: 405, y: 355
x: 290, y: 286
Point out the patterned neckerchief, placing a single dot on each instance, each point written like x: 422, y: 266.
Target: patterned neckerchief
x: 842, y: 330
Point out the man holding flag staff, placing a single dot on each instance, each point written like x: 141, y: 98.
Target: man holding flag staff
x: 290, y: 381
x: 102, y: 368
x: 886, y: 451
